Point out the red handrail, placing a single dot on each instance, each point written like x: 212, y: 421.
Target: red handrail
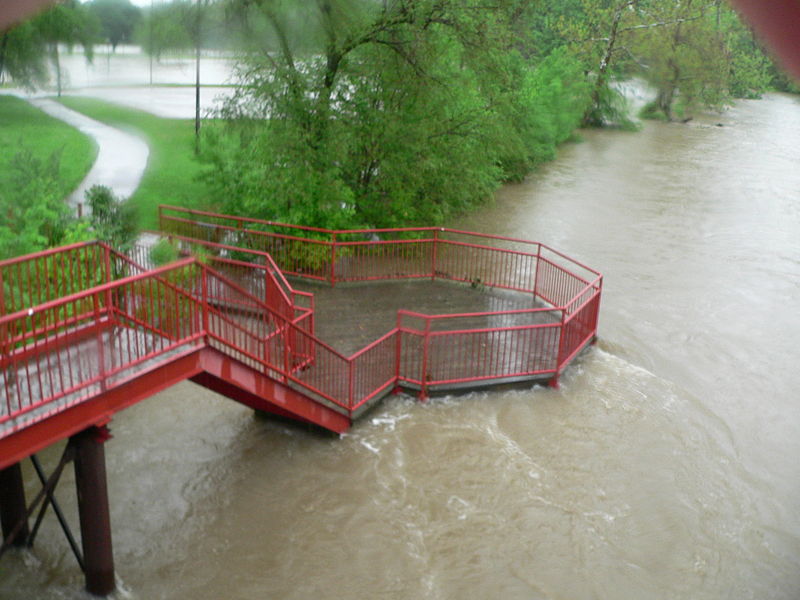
x: 164, y: 311
x: 536, y: 271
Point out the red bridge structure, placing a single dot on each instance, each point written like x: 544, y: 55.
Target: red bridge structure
x: 86, y: 331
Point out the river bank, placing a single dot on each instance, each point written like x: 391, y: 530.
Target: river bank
x: 662, y: 468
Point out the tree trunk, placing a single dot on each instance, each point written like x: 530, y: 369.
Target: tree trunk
x: 3, y: 47
x: 57, y: 64
x: 594, y: 114
x: 664, y: 100
x: 666, y: 96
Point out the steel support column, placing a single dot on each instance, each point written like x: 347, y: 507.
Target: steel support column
x: 12, y: 505
x: 90, y: 481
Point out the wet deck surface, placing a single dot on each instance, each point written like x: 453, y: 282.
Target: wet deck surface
x: 72, y: 373
x: 350, y: 316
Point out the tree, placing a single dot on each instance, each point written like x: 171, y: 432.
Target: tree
x: 686, y: 57
x: 117, y: 20
x: 181, y: 25
x: 25, y: 49
x: 383, y: 114
x: 164, y: 27
x: 111, y: 219
x: 695, y: 52
x: 23, y: 57
x: 606, y: 27
x: 33, y: 216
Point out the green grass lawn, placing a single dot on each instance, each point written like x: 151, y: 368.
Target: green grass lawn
x: 23, y: 126
x: 172, y: 170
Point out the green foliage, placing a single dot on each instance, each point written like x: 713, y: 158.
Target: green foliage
x: 652, y: 112
x: 165, y: 27
x: 23, y: 57
x: 553, y: 99
x: 117, y: 19
x: 163, y: 252
x: 23, y: 125
x: 687, y: 60
x: 26, y: 48
x: 696, y: 54
x: 32, y: 214
x: 68, y: 23
x: 749, y: 67
x: 609, y: 109
x: 183, y: 24
x: 386, y: 115
x: 112, y: 219
x: 782, y: 82
x: 50, y: 161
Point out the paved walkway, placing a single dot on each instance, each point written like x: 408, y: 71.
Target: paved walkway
x: 121, y: 158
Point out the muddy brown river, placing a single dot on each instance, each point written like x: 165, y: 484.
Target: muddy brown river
x: 667, y: 466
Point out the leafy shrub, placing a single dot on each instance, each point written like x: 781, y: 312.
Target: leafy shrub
x: 163, y: 252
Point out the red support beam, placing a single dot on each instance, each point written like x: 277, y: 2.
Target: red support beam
x: 95, y: 516
x: 12, y: 504
x: 251, y: 388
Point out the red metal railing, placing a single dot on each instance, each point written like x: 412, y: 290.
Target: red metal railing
x: 373, y: 254
x: 457, y: 349
x: 254, y: 270
x: 36, y: 279
x: 553, y: 278
x: 66, y: 350
x: 81, y: 319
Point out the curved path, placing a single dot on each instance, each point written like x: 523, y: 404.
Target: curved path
x: 121, y: 157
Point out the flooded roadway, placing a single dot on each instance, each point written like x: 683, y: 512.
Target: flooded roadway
x: 664, y: 467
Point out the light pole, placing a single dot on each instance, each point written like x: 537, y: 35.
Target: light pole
x: 197, y: 81
x: 151, y: 42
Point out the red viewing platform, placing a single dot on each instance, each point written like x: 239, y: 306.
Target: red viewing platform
x: 86, y: 331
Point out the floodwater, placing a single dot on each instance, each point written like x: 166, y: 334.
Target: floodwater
x: 665, y: 467
x: 125, y: 77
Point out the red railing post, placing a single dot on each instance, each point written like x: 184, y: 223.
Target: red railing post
x: 561, y: 332
x: 287, y: 346
x: 423, y: 388
x: 204, y: 303
x: 2, y: 294
x: 109, y: 277
x: 433, y: 257
x: 101, y: 353
x: 333, y: 259
x: 536, y: 271
x: 597, y: 310
x: 4, y: 333
x: 398, y: 349
x: 351, y: 386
